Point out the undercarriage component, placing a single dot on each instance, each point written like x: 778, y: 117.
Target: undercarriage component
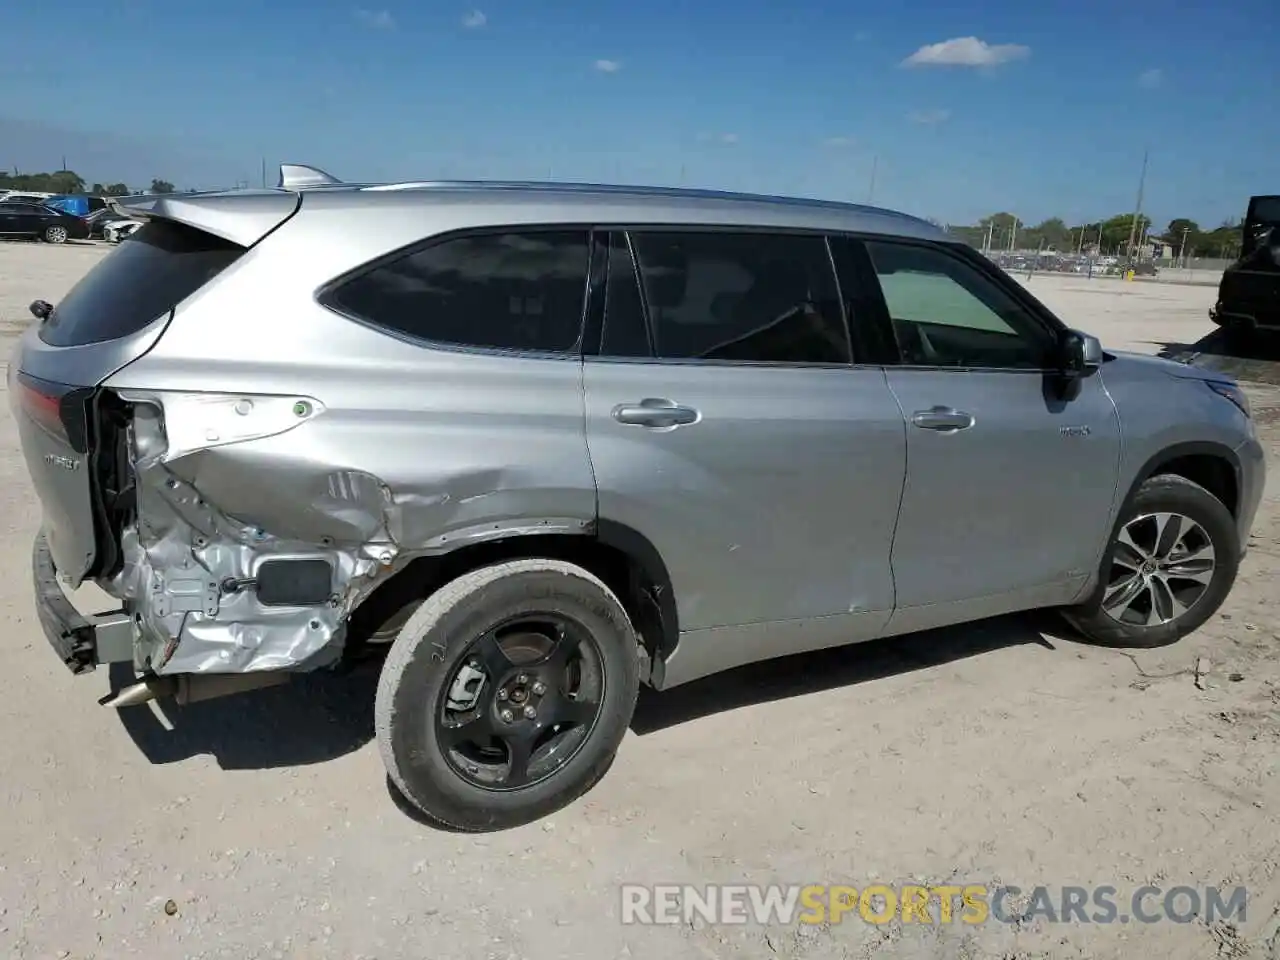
x: 186, y: 688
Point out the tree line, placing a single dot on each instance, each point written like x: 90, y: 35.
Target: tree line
x: 70, y: 182
x: 1111, y: 236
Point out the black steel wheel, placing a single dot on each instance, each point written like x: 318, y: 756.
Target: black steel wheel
x: 506, y: 694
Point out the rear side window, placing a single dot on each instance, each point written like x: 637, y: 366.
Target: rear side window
x: 161, y: 265
x: 507, y: 291
x: 742, y: 297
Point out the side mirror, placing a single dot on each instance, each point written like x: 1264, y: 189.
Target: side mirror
x: 1081, y: 354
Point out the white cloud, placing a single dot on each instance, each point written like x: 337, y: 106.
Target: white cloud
x: 726, y: 138
x: 475, y: 20
x: 929, y: 117
x: 378, y: 19
x: 966, y: 52
x: 838, y: 141
x: 608, y: 66
x: 1150, y: 79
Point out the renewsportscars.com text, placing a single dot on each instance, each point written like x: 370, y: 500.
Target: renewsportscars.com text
x: 935, y: 904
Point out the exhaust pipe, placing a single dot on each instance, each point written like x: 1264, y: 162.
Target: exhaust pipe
x: 192, y: 688
x: 143, y: 692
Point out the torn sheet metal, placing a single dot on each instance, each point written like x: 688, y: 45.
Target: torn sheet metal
x: 224, y: 483
x: 189, y: 569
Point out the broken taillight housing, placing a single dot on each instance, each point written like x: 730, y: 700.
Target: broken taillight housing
x: 57, y: 408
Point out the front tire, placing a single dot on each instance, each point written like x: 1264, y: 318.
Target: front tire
x: 1169, y: 567
x: 506, y: 695
x: 55, y: 234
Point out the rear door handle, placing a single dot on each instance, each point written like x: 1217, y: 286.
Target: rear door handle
x: 943, y: 419
x: 655, y: 412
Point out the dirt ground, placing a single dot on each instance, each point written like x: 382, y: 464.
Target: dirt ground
x: 1003, y: 752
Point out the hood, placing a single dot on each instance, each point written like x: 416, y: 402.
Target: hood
x: 1146, y: 363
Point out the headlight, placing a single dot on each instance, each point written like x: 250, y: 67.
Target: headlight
x: 1233, y: 393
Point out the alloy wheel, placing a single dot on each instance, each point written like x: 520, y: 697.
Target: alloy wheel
x: 1162, y: 565
x: 521, y: 703
x: 56, y: 234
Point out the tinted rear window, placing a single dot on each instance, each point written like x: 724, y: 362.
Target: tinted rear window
x: 162, y: 264
x: 1265, y: 210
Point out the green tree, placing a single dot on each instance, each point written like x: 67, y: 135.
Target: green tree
x: 1184, y: 235
x: 1053, y: 233
x: 1116, y: 232
x: 1001, y: 227
x: 109, y: 190
x: 974, y: 236
x: 1222, y: 241
x: 161, y: 186
x: 60, y: 181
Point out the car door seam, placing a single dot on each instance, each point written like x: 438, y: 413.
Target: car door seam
x: 902, y: 488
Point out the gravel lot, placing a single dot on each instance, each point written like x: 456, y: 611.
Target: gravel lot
x: 995, y: 753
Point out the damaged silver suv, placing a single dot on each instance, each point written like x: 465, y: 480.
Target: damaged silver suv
x: 560, y: 440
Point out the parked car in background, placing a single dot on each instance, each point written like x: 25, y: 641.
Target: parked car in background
x: 1248, y: 301
x: 565, y: 439
x: 25, y: 195
x: 99, y: 220
x: 36, y: 221
x: 118, y: 230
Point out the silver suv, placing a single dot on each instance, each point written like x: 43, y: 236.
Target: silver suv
x: 555, y: 441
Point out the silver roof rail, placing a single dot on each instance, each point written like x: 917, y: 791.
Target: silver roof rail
x: 297, y: 176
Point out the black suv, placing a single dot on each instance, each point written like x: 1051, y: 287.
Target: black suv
x: 1249, y: 292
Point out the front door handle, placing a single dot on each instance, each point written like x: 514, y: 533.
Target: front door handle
x: 944, y: 419
x: 655, y: 412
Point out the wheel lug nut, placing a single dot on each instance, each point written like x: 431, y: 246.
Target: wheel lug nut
x: 522, y: 679
x: 507, y: 716
x: 530, y: 713
x: 539, y: 688
x: 502, y: 694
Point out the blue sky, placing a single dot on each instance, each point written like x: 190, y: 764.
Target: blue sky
x: 962, y: 109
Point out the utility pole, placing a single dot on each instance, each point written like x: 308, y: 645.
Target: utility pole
x: 871, y: 190
x: 1013, y: 234
x: 1182, y: 247
x: 264, y: 173
x: 1137, y: 208
x: 991, y: 225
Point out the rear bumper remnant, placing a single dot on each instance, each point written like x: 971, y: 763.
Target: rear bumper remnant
x: 81, y: 642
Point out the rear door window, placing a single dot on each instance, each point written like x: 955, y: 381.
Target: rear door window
x: 517, y: 290
x: 161, y: 265
x: 721, y: 296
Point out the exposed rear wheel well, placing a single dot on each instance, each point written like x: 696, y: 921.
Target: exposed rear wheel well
x: 1213, y: 473
x: 624, y: 560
